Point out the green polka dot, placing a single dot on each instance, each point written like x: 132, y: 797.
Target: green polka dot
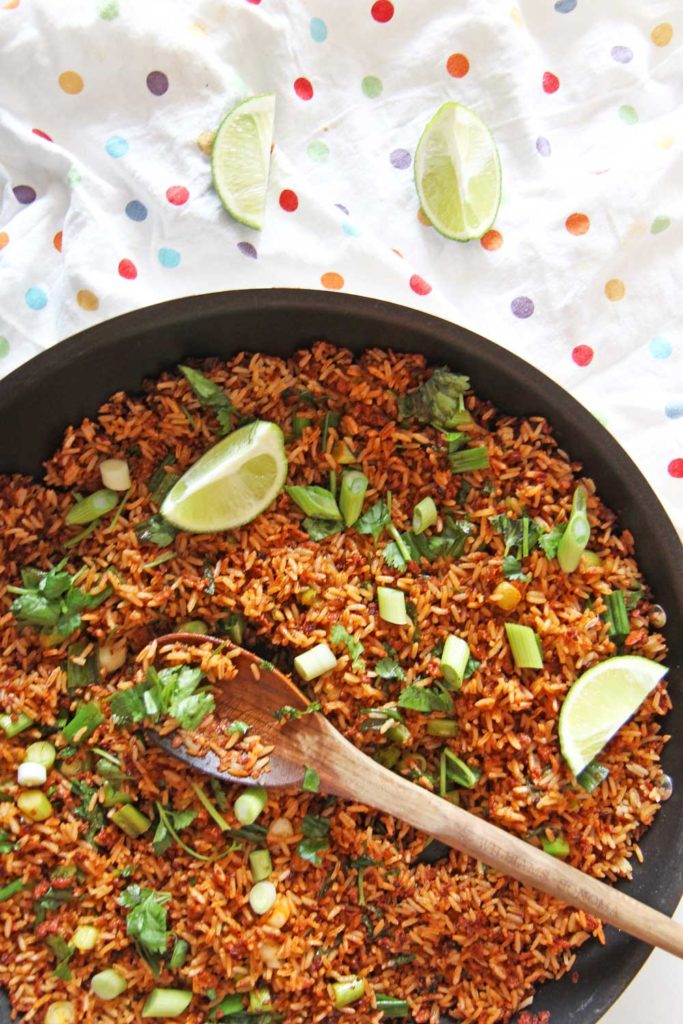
x: 371, y: 86
x: 318, y: 151
x: 660, y: 224
x: 628, y: 114
x: 4, y: 347
x: 73, y: 176
x: 108, y: 9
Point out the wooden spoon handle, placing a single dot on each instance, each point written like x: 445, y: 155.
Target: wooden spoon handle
x: 347, y: 772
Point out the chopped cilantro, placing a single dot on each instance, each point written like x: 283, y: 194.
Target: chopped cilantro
x: 146, y: 921
x: 339, y: 635
x: 424, y: 699
x: 374, y: 520
x: 155, y: 530
x: 512, y: 569
x: 311, y: 783
x: 318, y: 529
x: 62, y: 953
x: 288, y: 713
x: 316, y: 838
x: 171, y: 691
x: 389, y: 668
x: 211, y: 396
x: 51, y: 602
x: 163, y: 839
x: 439, y: 401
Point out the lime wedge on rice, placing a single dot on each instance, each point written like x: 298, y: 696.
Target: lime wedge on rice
x: 599, y: 703
x: 240, y: 159
x: 230, y: 484
x: 457, y: 173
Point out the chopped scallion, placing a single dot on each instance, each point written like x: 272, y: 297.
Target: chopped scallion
x: 315, y: 501
x: 233, y: 627
x: 179, y: 955
x: 392, y: 606
x: 592, y: 776
x: 262, y: 896
x: 558, y: 847
x: 577, y: 534
x: 249, y: 804
x: 311, y: 783
x: 93, y: 507
x: 108, y: 984
x: 315, y: 662
x: 442, y: 727
x: 41, y: 752
x: 391, y: 1006
x: 115, y: 474
x: 85, y: 938
x: 524, y: 645
x: 81, y: 672
x: 456, y: 654
x: 131, y: 821
x: 299, y: 424
x: 209, y: 807
x: 193, y: 626
x: 260, y: 865
x: 84, y: 722
x: 166, y: 1002
x: 260, y: 1000
x: 424, y: 515
x: 469, y: 459
x: 399, y: 733
x: 330, y: 419
x: 13, y: 726
x: 457, y: 771
x: 354, y: 484
x: 347, y: 991
x: 34, y: 804
x: 11, y: 889
x: 617, y: 616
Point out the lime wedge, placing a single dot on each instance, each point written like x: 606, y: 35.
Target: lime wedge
x: 240, y: 159
x: 232, y: 483
x: 457, y: 173
x: 599, y: 703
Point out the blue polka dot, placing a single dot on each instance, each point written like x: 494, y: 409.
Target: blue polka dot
x: 350, y: 230
x: 136, y: 210
x: 565, y: 6
x: 116, y: 146
x: 318, y: 30
x: 169, y: 258
x: 36, y: 298
x: 674, y: 410
x: 660, y: 348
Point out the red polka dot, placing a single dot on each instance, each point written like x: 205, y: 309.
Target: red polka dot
x: 128, y: 270
x: 303, y: 89
x: 419, y: 285
x: 42, y: 135
x: 492, y: 240
x: 382, y: 10
x: 255, y: 2
x: 582, y: 355
x: 57, y: 241
x: 289, y: 200
x: 577, y: 223
x: 551, y: 82
x: 676, y: 468
x: 177, y: 194
x: 457, y: 65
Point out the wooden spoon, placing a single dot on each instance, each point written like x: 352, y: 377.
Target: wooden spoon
x: 257, y: 691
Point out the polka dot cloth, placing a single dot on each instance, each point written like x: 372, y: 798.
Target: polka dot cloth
x: 109, y: 204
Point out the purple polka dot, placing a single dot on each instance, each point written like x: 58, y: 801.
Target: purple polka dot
x: 622, y: 54
x: 157, y: 83
x: 522, y: 307
x: 24, y: 194
x: 400, y: 159
x: 342, y: 208
x: 247, y: 249
x: 543, y: 146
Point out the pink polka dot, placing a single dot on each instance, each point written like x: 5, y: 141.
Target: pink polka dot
x: 289, y: 200
x: 303, y: 89
x: 177, y: 194
x: 551, y: 82
x: 582, y: 355
x: 128, y: 270
x: 382, y: 10
x: 41, y: 134
x: 676, y: 468
x: 419, y: 285
x: 254, y: 2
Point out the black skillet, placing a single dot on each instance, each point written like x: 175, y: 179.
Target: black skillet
x: 71, y: 380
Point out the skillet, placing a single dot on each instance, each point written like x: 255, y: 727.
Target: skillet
x: 71, y: 380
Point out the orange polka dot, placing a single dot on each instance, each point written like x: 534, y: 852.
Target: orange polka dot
x: 87, y: 300
x: 332, y: 280
x: 615, y: 289
x: 577, y: 223
x: 11, y: 5
x: 4, y: 239
x: 57, y: 241
x: 423, y: 218
x: 492, y: 240
x: 662, y: 34
x: 457, y: 65
x: 71, y: 82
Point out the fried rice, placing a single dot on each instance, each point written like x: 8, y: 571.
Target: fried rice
x: 449, y: 935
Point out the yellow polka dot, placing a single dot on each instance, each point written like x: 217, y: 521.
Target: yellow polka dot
x: 71, y: 82
x: 666, y: 141
x: 615, y: 289
x: 423, y: 218
x: 662, y: 34
x: 205, y: 142
x: 516, y: 16
x: 87, y: 300
x: 332, y: 280
x: 198, y: 29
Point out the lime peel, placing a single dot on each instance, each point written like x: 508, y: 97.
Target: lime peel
x: 600, y: 702
x: 232, y: 483
x: 457, y: 173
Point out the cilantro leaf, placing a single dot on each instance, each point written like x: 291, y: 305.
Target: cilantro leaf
x: 440, y: 400
x: 146, y: 918
x: 520, y: 535
x: 549, y: 542
x: 50, y: 601
x: 339, y: 635
x: 374, y: 520
x: 212, y: 396
x: 317, y: 529
x: 155, y: 530
x: 172, y: 691
x: 389, y: 668
x: 316, y: 838
x: 512, y: 569
x: 471, y: 667
x: 163, y: 839
x: 288, y: 713
x: 89, y: 809
x: 63, y: 953
x: 424, y: 699
x: 311, y: 783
